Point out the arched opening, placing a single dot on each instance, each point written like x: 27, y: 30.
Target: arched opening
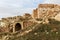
x: 17, y: 26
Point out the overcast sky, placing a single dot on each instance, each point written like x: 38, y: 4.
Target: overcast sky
x: 52, y: 1
x: 19, y: 7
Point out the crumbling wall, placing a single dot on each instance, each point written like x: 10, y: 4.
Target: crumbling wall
x: 35, y: 13
x: 27, y: 23
x: 46, y: 11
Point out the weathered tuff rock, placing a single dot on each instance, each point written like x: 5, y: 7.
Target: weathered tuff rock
x: 13, y: 24
x: 44, y: 12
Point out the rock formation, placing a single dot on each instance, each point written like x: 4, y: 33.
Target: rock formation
x: 46, y: 11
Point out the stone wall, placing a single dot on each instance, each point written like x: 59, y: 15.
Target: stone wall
x: 46, y: 11
x: 27, y: 23
x: 35, y: 14
x: 9, y: 24
x: 48, y: 5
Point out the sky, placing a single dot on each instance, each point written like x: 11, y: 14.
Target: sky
x: 19, y: 7
x: 52, y: 1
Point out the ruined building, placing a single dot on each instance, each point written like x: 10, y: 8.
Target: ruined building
x: 44, y: 12
x: 13, y: 24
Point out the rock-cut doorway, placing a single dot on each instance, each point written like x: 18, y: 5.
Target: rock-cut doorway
x: 18, y: 26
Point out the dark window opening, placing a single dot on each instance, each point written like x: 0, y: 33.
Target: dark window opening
x: 17, y: 27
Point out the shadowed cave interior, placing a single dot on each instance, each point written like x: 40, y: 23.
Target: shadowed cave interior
x: 17, y: 27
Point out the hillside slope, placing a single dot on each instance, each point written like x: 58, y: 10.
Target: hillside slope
x: 49, y: 31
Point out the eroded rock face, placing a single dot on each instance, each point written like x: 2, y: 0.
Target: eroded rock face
x: 57, y: 17
x: 13, y: 24
x: 46, y: 6
x: 46, y: 11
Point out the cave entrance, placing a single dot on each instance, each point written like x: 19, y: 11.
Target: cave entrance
x: 17, y: 26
